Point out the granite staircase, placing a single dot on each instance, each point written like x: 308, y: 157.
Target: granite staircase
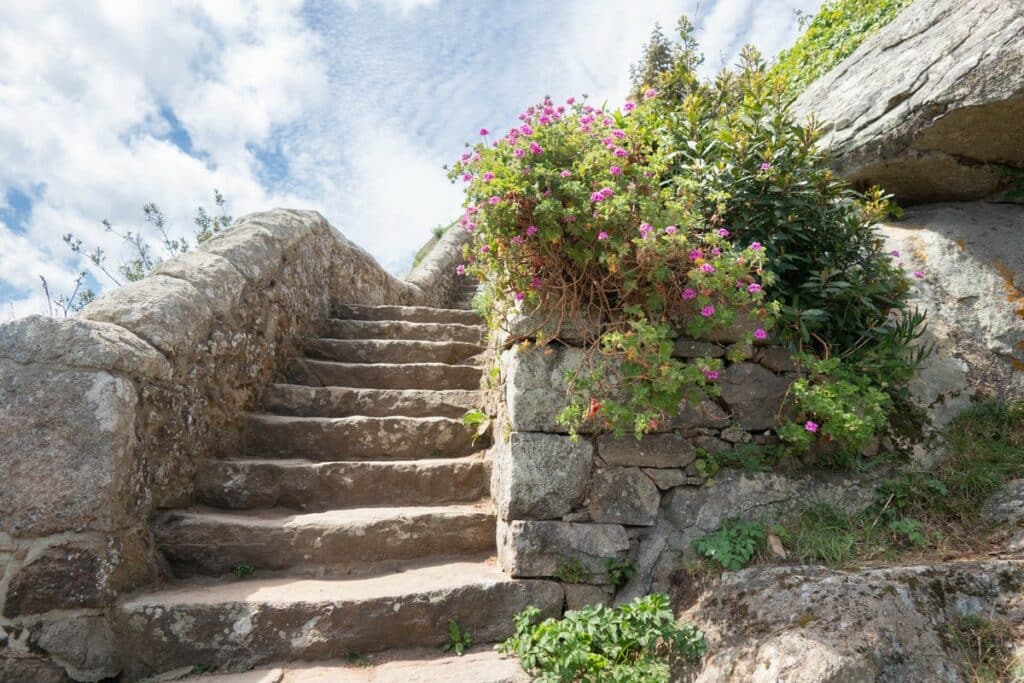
x: 356, y: 520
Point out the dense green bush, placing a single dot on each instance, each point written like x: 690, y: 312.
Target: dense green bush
x: 734, y: 545
x: 694, y: 207
x: 632, y: 643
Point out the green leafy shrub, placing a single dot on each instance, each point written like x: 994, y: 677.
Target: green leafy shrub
x: 700, y: 206
x: 839, y: 27
x: 835, y: 403
x: 734, y: 545
x: 633, y: 643
x: 458, y: 640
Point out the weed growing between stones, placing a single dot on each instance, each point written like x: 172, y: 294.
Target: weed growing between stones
x: 734, y: 545
x: 619, y: 571
x: 572, y: 571
x: 458, y: 640
x: 637, y: 642
x: 697, y: 207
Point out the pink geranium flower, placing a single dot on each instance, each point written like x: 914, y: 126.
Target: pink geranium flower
x: 811, y: 426
x: 689, y: 294
x: 707, y: 311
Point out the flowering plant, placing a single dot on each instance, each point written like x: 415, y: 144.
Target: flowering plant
x: 570, y: 214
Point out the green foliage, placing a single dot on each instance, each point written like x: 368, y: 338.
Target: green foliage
x: 734, y: 545
x: 458, y: 640
x: 822, y: 533
x: 921, y: 510
x: 633, y: 643
x: 839, y: 27
x: 572, y: 571
x: 478, y: 421
x: 836, y: 403
x: 700, y: 204
x: 984, y: 648
x: 242, y: 570
x: 439, y: 231
x: 619, y: 571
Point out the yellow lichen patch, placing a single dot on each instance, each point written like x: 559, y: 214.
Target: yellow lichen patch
x: 1013, y: 295
x: 963, y: 245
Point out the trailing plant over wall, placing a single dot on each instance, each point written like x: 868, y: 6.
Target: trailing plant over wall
x: 697, y: 206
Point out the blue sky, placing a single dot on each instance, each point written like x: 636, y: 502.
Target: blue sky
x: 349, y: 107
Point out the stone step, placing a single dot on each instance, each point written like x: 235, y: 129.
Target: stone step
x: 299, y: 400
x: 477, y: 665
x: 383, y: 375
x: 358, y: 438
x: 247, y: 623
x: 317, y: 486
x: 211, y: 542
x: 416, y: 314
x: 399, y: 329
x: 389, y: 350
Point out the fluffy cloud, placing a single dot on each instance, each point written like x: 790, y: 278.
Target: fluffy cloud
x: 345, y: 106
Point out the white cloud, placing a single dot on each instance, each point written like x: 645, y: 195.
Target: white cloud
x: 357, y: 102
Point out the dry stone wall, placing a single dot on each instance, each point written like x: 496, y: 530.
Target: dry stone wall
x: 566, y: 508
x: 104, y: 417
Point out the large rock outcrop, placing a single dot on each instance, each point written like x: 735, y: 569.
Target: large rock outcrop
x: 930, y: 107
x: 828, y: 626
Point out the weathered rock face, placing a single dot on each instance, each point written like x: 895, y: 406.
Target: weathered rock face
x: 929, y: 107
x: 972, y: 287
x: 819, y: 625
x: 539, y: 476
x: 104, y: 418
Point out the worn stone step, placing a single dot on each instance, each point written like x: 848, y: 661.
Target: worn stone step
x: 417, y: 314
x: 477, y: 665
x: 299, y: 400
x: 316, y: 486
x: 389, y: 350
x: 399, y: 329
x: 383, y: 375
x: 247, y: 623
x: 211, y: 542
x: 358, y: 438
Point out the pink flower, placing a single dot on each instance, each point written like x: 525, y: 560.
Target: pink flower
x: 607, y: 121
x: 759, y: 333
x: 645, y: 229
x: 715, y: 251
x: 670, y: 230
x: 756, y: 246
x: 518, y: 239
x: 494, y: 200
x: 696, y: 254
x: 711, y: 375
x: 602, y: 236
x: 619, y: 152
x: 722, y: 232
x: 571, y: 100
x: 894, y: 253
x: 467, y: 177
x: 650, y: 94
x: 460, y: 269
x: 753, y: 288
x: 487, y: 177
x: 628, y: 106
x: 689, y: 294
x: 707, y: 268
x: 566, y: 173
x: 766, y: 166
x: 484, y: 131
x: 526, y: 129
x: 707, y: 311
x: 619, y: 133
x: 520, y: 296
x: 535, y: 283
x: 535, y: 148
x: 811, y: 426
x: 531, y: 231
x: 484, y: 249
x: 519, y: 152
x: 615, y: 170
x: 919, y: 274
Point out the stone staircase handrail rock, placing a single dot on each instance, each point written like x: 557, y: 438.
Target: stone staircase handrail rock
x: 105, y: 417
